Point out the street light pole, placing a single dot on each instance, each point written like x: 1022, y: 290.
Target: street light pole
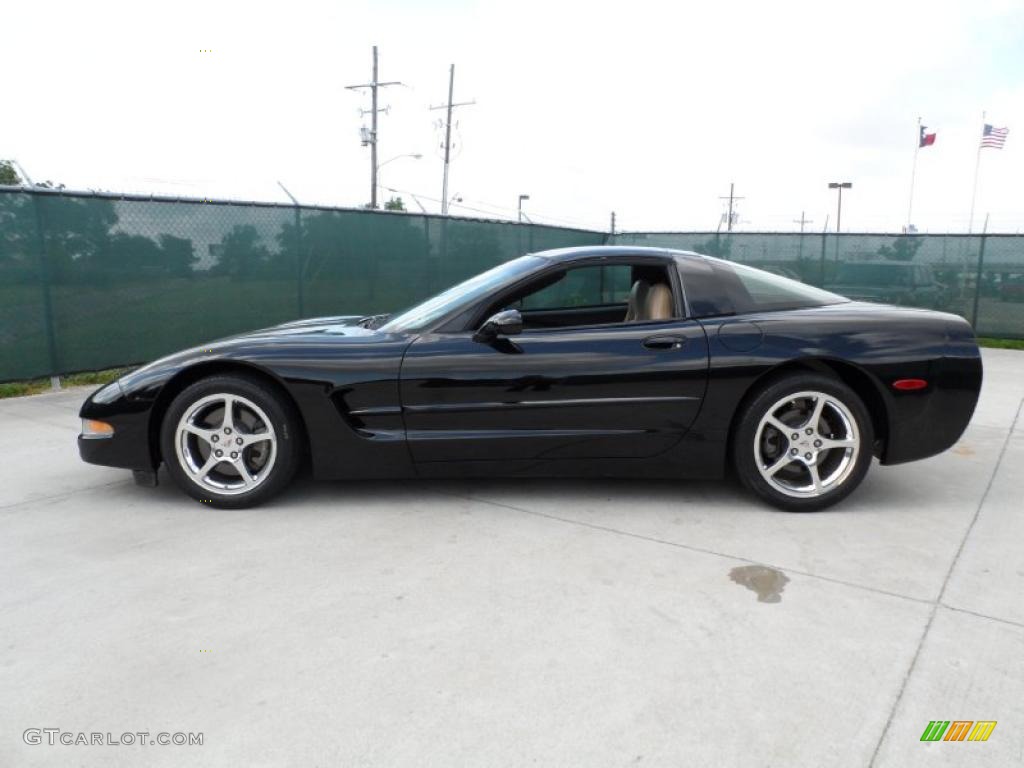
x: 413, y: 155
x: 521, y: 198
x: 840, y: 186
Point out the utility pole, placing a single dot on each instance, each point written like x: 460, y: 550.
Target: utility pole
x: 374, y: 85
x: 613, y: 223
x: 448, y: 134
x: 730, y: 198
x: 802, y: 221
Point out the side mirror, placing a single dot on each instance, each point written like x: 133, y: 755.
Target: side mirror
x: 505, y: 323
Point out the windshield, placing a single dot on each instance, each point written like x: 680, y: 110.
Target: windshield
x: 465, y: 293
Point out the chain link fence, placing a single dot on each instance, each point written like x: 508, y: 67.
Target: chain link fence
x: 90, y: 281
x: 96, y: 281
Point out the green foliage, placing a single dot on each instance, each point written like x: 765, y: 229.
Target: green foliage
x: 904, y: 248
x: 394, y: 204
x: 241, y: 252
x: 35, y: 386
x: 8, y: 175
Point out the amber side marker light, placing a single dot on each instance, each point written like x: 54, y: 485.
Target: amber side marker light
x: 96, y: 429
x: 909, y: 385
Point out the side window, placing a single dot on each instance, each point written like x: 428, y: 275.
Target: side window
x: 591, y: 286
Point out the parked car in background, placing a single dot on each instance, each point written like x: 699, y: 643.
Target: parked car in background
x: 889, y: 282
x: 1012, y: 288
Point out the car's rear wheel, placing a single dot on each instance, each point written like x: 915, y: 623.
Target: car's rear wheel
x: 803, y: 443
x: 230, y: 441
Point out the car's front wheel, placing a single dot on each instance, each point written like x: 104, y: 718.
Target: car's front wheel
x: 230, y: 441
x: 803, y: 443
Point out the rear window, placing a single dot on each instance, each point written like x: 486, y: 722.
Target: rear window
x: 754, y: 290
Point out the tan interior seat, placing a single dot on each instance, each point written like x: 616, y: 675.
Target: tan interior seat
x: 659, y: 303
x: 649, y: 302
x: 637, y: 300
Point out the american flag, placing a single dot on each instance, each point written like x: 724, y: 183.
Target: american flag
x: 993, y: 137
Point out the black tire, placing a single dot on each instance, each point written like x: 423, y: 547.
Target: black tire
x: 760, y: 448
x: 277, y: 444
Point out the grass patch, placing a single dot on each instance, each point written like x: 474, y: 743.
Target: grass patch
x: 984, y: 341
x: 35, y: 386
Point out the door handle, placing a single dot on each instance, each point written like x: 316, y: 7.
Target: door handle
x: 665, y: 341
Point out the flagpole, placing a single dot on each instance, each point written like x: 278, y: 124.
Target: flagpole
x: 974, y: 188
x: 913, y: 173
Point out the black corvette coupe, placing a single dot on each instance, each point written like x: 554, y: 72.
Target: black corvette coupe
x: 599, y: 361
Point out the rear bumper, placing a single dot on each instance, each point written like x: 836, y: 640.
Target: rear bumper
x: 930, y: 421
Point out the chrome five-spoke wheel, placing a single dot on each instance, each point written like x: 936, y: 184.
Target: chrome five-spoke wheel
x: 803, y: 441
x: 226, y: 443
x: 807, y: 444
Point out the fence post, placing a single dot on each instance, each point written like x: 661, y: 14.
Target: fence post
x: 821, y: 264
x: 300, y: 268
x: 977, y: 281
x: 44, y: 279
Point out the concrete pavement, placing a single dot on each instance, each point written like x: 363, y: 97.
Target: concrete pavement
x: 506, y: 623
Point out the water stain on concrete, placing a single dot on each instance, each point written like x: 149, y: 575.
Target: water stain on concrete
x: 767, y: 582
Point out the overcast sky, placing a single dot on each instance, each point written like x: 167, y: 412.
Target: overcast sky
x: 648, y: 109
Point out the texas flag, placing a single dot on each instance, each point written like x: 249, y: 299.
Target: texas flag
x: 925, y: 139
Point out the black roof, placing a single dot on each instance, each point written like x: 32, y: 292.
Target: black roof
x: 586, y: 251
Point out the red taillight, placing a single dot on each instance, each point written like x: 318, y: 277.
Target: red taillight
x: 909, y: 385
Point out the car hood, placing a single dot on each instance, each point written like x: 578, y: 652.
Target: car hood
x: 339, y: 325
x: 262, y: 347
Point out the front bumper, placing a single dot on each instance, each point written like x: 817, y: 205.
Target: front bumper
x: 131, y: 446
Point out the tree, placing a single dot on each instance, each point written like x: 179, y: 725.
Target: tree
x: 394, y: 204
x: 178, y: 255
x: 241, y: 253
x: 904, y: 248
x: 8, y: 176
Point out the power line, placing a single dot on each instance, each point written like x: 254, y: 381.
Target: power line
x: 448, y: 133
x: 374, y: 86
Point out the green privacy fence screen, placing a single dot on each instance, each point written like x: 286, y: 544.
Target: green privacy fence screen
x: 980, y: 277
x: 94, y: 281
